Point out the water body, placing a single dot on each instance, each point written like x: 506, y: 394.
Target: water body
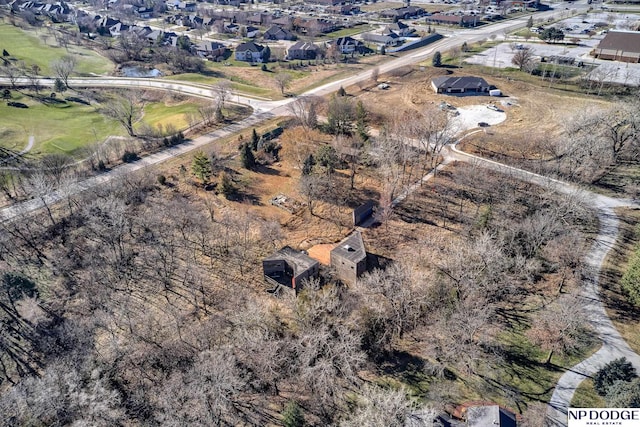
x: 140, y: 72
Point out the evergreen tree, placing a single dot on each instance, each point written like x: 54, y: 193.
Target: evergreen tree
x: 617, y: 370
x: 255, y: 138
x: 292, y: 415
x: 342, y: 92
x: 308, y: 165
x: 201, y: 167
x: 437, y: 59
x: 225, y: 185
x: 361, y: 122
x: 530, y: 22
x: 59, y: 85
x: 312, y: 116
x: 246, y: 157
x: 383, y: 50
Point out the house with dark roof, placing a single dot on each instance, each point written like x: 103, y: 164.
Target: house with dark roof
x: 252, y: 52
x: 210, y: 49
x: 459, y: 20
x: 347, y: 45
x: 401, y: 29
x: 349, y: 258
x: 619, y: 46
x: 303, y: 50
x: 289, y: 267
x: 278, y: 33
x: 403, y: 12
x: 466, y: 84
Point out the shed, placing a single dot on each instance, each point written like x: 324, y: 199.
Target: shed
x: 349, y: 258
x: 289, y: 267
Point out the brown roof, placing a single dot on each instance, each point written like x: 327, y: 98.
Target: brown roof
x: 626, y: 41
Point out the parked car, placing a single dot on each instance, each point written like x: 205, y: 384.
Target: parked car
x: 483, y: 124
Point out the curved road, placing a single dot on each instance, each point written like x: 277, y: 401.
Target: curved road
x: 613, y: 344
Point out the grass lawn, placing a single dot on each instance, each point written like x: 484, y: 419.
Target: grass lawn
x: 159, y: 113
x: 67, y: 126
x: 28, y: 47
x: 62, y: 127
x: 349, y: 31
x: 586, y: 396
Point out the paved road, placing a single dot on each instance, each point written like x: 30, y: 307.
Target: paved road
x: 613, y: 345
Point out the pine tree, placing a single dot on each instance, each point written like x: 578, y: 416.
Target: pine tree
x: 201, y: 167
x: 437, y: 59
x: 59, y: 85
x: 530, y: 22
x: 292, y: 415
x: 308, y: 165
x: 247, y: 157
x: 361, y: 121
x: 225, y: 185
x: 255, y: 138
x: 342, y: 92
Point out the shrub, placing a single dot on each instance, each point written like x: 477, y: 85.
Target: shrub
x: 129, y: 156
x: 162, y: 180
x: 612, y: 372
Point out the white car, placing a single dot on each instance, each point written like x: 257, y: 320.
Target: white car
x: 493, y: 107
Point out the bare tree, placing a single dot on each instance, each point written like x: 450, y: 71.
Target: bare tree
x: 304, y: 109
x: 387, y: 407
x: 12, y: 73
x: 375, y: 73
x: 64, y: 67
x: 222, y: 90
x: 126, y: 109
x: 523, y: 58
x: 282, y: 81
x: 560, y: 328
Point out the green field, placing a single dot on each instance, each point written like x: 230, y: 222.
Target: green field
x: 29, y: 47
x: 67, y: 126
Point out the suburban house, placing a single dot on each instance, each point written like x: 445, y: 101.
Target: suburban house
x: 252, y: 31
x: 347, y: 45
x: 349, y: 258
x: 288, y: 267
x: 252, y: 52
x: 401, y: 29
x: 403, y: 13
x: 451, y: 84
x: 313, y: 26
x: 210, y: 50
x: 391, y: 39
x: 278, y: 33
x: 492, y: 415
x: 460, y: 20
x: 344, y: 9
x: 303, y: 50
x: 619, y: 46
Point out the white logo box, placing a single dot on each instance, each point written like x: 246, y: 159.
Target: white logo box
x: 589, y: 417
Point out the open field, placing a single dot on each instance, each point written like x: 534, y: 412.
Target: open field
x: 66, y: 126
x: 30, y: 47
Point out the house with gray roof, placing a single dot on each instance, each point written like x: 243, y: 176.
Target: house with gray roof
x: 252, y: 52
x: 489, y: 416
x: 349, y: 258
x: 466, y: 85
x: 619, y: 46
x: 303, y: 50
x: 289, y: 267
